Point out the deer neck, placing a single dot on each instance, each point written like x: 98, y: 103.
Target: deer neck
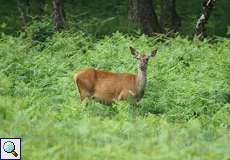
x: 141, y: 82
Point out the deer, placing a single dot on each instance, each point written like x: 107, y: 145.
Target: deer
x: 108, y: 87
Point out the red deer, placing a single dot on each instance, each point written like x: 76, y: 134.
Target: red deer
x: 108, y: 87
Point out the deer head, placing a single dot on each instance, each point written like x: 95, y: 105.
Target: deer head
x: 143, y: 58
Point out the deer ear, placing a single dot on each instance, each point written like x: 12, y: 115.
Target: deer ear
x: 153, y: 53
x: 133, y: 51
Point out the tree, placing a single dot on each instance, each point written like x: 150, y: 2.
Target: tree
x: 142, y: 14
x: 30, y: 9
x: 169, y: 18
x: 23, y: 9
x: 199, y: 29
x: 58, y: 15
x: 37, y: 7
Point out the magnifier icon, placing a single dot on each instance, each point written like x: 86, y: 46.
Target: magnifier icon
x: 9, y: 147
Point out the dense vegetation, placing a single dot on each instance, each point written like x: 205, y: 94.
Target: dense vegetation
x: 104, y: 17
x: 184, y: 114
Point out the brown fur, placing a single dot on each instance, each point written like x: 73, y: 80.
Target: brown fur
x: 105, y: 86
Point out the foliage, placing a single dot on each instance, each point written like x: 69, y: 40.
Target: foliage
x: 99, y: 18
x: 185, y: 113
x: 39, y: 31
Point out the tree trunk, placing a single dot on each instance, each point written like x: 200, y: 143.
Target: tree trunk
x: 37, y: 7
x: 133, y: 12
x: 58, y: 14
x: 23, y: 9
x: 142, y: 14
x: 169, y: 18
x: 199, y: 30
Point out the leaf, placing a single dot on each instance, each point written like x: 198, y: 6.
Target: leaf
x: 3, y: 25
x: 228, y: 30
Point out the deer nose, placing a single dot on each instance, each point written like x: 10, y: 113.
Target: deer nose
x: 143, y: 66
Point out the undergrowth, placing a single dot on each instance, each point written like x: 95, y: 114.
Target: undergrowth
x: 184, y: 114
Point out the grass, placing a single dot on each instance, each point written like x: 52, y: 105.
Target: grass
x: 185, y: 113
